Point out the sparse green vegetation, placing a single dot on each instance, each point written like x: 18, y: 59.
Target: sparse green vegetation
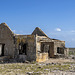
x: 69, y: 62
x: 35, y: 68
x: 71, y: 53
x: 24, y: 68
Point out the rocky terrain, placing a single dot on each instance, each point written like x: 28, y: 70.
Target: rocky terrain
x: 50, y: 67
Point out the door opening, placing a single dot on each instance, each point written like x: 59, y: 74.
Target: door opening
x: 49, y: 51
x: 23, y: 49
x: 1, y: 49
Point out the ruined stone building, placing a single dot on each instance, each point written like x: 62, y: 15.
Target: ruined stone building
x: 37, y: 46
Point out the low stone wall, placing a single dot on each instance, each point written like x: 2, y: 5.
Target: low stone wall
x: 41, y: 57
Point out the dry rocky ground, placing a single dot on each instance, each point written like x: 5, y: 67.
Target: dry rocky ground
x: 50, y: 67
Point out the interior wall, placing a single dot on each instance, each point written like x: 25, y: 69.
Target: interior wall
x: 51, y: 48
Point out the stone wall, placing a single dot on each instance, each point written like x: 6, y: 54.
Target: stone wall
x: 52, y: 42
x: 58, y: 44
x: 31, y: 46
x: 6, y: 38
x: 47, y: 41
x: 50, y: 49
x: 33, y: 43
x: 66, y: 52
x: 41, y: 57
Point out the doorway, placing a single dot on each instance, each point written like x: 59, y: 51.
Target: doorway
x: 23, y: 49
x: 48, y: 47
x: 1, y: 49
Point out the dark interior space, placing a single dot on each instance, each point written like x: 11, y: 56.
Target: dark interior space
x: 23, y: 49
x: 48, y: 47
x: 2, y: 49
x: 60, y: 50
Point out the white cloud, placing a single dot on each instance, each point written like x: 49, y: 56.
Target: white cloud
x: 58, y: 29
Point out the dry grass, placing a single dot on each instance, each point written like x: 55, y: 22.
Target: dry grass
x: 23, y: 68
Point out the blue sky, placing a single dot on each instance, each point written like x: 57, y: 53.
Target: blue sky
x: 55, y: 17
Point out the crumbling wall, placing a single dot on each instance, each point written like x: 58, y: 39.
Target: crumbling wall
x: 66, y: 52
x: 6, y: 38
x: 53, y: 43
x: 31, y: 46
x: 50, y: 50
x: 40, y: 40
x: 41, y: 57
x: 58, y: 44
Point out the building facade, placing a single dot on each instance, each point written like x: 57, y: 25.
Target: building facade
x: 37, y: 46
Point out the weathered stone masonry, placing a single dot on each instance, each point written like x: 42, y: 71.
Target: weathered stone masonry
x: 6, y: 39
x: 37, y: 46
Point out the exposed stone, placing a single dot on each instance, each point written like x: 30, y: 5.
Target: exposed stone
x: 35, y: 47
